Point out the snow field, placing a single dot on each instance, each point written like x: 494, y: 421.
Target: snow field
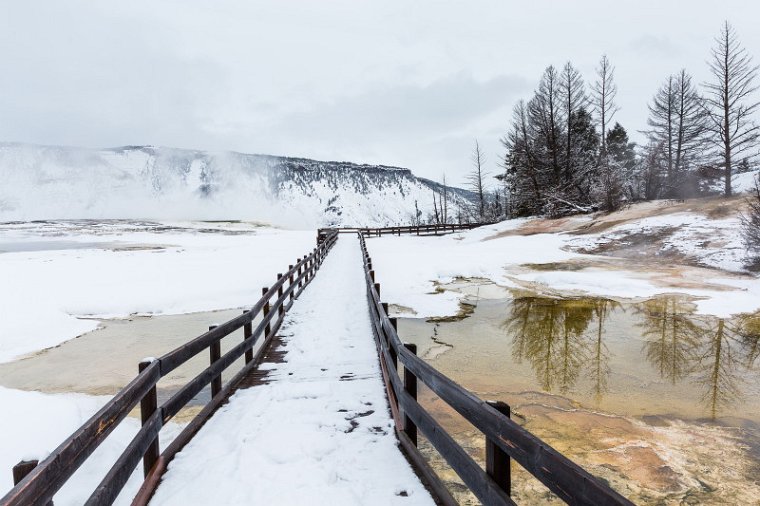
x: 34, y: 424
x: 320, y: 431
x: 44, y: 292
x: 409, y: 268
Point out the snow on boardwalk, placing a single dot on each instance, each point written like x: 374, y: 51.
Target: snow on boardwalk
x: 320, y: 431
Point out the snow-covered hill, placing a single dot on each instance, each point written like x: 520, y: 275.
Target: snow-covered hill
x: 49, y: 182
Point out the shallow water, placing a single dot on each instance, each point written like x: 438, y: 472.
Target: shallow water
x: 24, y: 246
x: 662, y: 403
x: 103, y: 361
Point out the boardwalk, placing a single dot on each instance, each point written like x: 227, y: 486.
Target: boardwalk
x: 318, y: 431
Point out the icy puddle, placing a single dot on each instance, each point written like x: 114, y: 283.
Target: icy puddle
x: 661, y: 403
x: 103, y: 361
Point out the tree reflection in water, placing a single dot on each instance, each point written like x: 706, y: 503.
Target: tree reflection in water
x: 670, y: 337
x: 600, y: 369
x: 715, y: 353
x: 556, y: 338
x: 551, y: 335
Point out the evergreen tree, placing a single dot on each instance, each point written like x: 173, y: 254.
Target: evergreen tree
x: 522, y: 175
x: 584, y: 153
x: 622, y: 156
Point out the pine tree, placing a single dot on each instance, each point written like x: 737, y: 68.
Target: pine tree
x: 522, y: 176
x: 584, y: 153
x: 622, y: 156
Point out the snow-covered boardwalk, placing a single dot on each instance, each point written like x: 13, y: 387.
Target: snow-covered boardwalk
x: 319, y: 431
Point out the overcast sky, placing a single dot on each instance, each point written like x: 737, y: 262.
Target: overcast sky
x: 408, y: 83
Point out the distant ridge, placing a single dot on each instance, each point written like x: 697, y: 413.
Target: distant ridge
x: 55, y: 182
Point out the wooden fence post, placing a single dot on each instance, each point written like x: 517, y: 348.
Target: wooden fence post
x: 281, y: 308
x: 290, y: 282
x: 215, y: 353
x: 268, y: 327
x: 377, y: 285
x: 497, y: 460
x: 410, y: 385
x: 394, y: 324
x: 23, y: 468
x: 247, y: 333
x: 148, y: 406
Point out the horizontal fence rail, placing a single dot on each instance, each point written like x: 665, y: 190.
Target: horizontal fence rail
x: 505, y: 439
x: 37, y: 483
x: 433, y: 229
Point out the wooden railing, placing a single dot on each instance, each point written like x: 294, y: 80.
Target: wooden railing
x: 505, y: 440
x: 443, y: 228
x: 38, y: 484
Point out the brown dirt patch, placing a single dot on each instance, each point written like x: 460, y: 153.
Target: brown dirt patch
x: 711, y: 207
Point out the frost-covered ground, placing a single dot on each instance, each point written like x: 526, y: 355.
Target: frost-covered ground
x: 691, y: 248
x: 319, y: 432
x: 56, y: 275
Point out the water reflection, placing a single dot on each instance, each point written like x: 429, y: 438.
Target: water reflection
x: 551, y: 335
x: 564, y: 340
x: 670, y: 337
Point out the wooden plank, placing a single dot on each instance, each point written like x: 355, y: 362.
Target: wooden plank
x: 110, y: 487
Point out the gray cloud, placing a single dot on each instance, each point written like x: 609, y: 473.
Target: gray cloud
x: 392, y: 82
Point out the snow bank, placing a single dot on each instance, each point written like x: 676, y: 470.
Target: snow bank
x: 46, y: 291
x: 408, y: 267
x: 744, y: 181
x: 34, y: 424
x: 320, y: 431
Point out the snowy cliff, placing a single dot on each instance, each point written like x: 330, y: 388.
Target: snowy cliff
x: 49, y: 182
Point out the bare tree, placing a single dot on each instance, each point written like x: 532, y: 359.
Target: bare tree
x: 445, y: 202
x: 436, y: 214
x: 603, y: 99
x: 475, y: 179
x: 728, y: 101
x: 545, y: 115
x: 677, y: 123
x: 609, y: 181
x: 574, y: 99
